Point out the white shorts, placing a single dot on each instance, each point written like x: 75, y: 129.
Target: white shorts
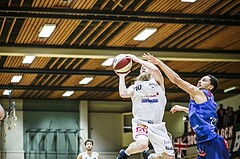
x: 156, y: 133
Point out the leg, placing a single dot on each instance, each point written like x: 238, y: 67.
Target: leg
x: 161, y: 142
x: 158, y: 156
x: 137, y: 147
x: 146, y: 153
x: 133, y: 148
x: 214, y: 148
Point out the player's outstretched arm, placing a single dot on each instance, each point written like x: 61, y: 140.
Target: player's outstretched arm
x: 151, y: 67
x: 124, y: 92
x: 173, y: 76
x: 177, y: 108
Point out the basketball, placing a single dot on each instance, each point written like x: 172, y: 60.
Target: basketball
x: 122, y: 63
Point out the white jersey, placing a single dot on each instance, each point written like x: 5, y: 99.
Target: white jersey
x: 148, y: 101
x: 94, y: 155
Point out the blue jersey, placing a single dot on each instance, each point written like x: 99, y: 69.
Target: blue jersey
x: 203, y: 118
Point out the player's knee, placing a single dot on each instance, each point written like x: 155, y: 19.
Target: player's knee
x: 142, y: 145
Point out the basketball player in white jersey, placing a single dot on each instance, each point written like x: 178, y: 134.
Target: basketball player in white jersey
x: 148, y: 106
x: 89, y: 153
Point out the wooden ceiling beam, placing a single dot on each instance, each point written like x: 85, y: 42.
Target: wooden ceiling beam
x: 107, y: 52
x: 126, y: 16
x: 106, y: 73
x: 101, y: 89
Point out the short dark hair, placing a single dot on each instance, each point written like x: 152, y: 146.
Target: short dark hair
x: 88, y: 140
x: 214, y: 82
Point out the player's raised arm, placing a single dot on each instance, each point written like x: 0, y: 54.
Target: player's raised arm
x: 124, y: 92
x: 151, y: 67
x: 173, y: 76
x: 178, y: 108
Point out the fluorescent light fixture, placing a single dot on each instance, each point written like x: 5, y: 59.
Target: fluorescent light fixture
x: 16, y: 79
x: 184, y: 118
x: 229, y: 89
x: 86, y: 80
x: 108, y: 62
x: 67, y: 93
x: 6, y: 92
x: 143, y: 35
x: 28, y: 59
x: 188, y: 0
x: 47, y: 30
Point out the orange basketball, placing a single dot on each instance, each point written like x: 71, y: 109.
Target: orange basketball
x: 122, y: 63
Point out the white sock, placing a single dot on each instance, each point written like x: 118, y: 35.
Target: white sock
x: 126, y: 153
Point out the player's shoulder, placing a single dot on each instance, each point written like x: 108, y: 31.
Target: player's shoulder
x: 82, y: 153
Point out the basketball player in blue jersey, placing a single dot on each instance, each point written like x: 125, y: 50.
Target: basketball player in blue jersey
x: 89, y: 153
x: 148, y: 106
x: 202, y: 112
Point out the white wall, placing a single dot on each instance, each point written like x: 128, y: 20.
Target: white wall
x: 174, y: 123
x: 12, y: 142
x: 105, y: 129
x: 233, y: 102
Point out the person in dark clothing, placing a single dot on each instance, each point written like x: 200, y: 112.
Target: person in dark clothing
x: 220, y: 113
x: 237, y: 116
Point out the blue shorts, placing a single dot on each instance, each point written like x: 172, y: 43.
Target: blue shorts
x: 213, y: 149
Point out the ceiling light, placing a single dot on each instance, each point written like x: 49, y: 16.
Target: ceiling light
x: 47, y: 30
x: 188, y: 0
x: 108, y: 62
x: 229, y: 89
x: 86, y: 80
x: 143, y: 35
x: 28, y: 59
x: 67, y: 93
x: 16, y: 79
x: 184, y: 118
x: 6, y: 92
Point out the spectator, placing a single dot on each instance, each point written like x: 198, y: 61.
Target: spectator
x: 230, y: 116
x: 220, y: 113
x: 226, y: 119
x: 220, y: 119
x: 221, y: 108
x: 89, y: 153
x: 237, y: 116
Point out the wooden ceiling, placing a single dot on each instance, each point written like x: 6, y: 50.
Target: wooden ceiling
x: 194, y: 39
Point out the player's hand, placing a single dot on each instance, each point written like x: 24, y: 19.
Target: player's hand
x: 176, y: 108
x: 150, y: 58
x: 133, y: 57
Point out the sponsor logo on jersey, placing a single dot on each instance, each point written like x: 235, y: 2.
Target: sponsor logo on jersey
x: 147, y: 100
x: 213, y: 121
x: 169, y: 148
x: 201, y: 153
